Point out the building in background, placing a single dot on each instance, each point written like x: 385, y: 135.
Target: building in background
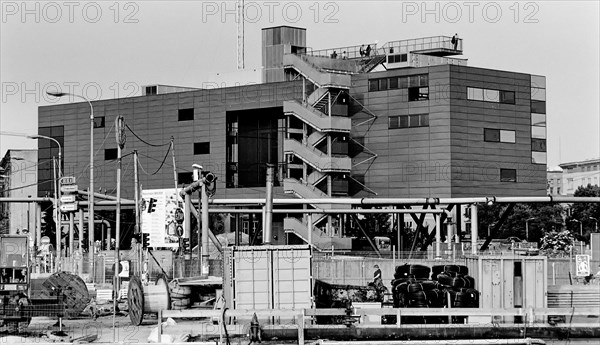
x: 18, y: 179
x: 403, y: 119
x: 567, y: 177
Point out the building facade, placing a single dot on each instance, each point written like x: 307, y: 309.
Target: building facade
x: 18, y: 179
x: 403, y: 119
x: 565, y: 179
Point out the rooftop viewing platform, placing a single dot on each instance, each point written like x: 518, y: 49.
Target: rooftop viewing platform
x: 420, y: 52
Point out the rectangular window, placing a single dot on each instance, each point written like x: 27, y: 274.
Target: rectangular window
x: 202, y: 148
x: 507, y: 97
x: 98, y: 121
x: 186, y: 114
x: 474, y: 94
x: 538, y: 94
x: 150, y: 90
x: 383, y: 85
x: 492, y: 135
x: 538, y: 157
x: 508, y: 175
x: 418, y: 94
x: 110, y: 154
x: 185, y: 178
x: 409, y: 121
x: 393, y: 83
x: 373, y: 85
x: 538, y: 119
x: 491, y: 95
x: 538, y: 132
x: 507, y: 136
x: 402, y: 82
x: 538, y: 145
x: 538, y: 107
x: 413, y: 80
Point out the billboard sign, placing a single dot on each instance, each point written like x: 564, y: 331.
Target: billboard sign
x: 582, y: 265
x: 160, y: 212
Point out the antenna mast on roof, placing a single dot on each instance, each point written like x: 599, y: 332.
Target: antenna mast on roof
x: 240, y: 35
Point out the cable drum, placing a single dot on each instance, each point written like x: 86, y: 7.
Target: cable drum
x: 418, y: 271
x: 459, y: 281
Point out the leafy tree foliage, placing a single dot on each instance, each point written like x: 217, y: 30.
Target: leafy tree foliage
x: 557, y: 243
x: 583, y: 212
x: 547, y: 218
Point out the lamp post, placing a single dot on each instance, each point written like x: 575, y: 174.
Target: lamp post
x: 527, y: 228
x: 595, y: 223
x: 580, y: 234
x: 56, y: 197
x: 91, y: 188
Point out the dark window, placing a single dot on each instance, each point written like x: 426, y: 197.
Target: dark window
x: 373, y: 85
x: 402, y: 82
x: 99, y: 122
x: 507, y: 97
x: 186, y: 114
x: 538, y: 107
x: 508, y: 175
x: 110, y: 154
x: 202, y: 148
x: 397, y: 58
x: 491, y: 135
x: 418, y: 93
x: 403, y: 122
x: 538, y: 145
x: 393, y: 83
x: 185, y: 178
x: 409, y: 121
x: 150, y: 90
x: 383, y: 85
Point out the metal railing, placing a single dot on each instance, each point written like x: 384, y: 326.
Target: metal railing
x: 352, y: 52
x: 424, y: 43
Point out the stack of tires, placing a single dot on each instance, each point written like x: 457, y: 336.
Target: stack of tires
x: 458, y: 287
x: 180, y: 296
x: 413, y: 289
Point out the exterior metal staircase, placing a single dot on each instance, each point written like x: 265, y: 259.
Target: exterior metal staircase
x: 320, y: 128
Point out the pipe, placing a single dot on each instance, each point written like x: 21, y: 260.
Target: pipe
x: 187, y: 221
x: 405, y: 201
x: 322, y: 211
x: 438, y: 237
x: 205, y: 255
x: 349, y: 201
x: 136, y: 191
x: 102, y: 196
x: 80, y: 242
x: 268, y: 219
x: 211, y: 235
x: 474, y: 229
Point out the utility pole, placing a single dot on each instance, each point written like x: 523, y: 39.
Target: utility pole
x: 268, y: 219
x: 120, y: 136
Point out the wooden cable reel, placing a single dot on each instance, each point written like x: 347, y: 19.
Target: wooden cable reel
x: 147, y: 299
x: 70, y: 289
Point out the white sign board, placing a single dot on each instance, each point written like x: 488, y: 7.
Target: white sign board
x: 68, y: 207
x: 159, y: 207
x: 69, y: 188
x: 582, y: 265
x: 67, y: 198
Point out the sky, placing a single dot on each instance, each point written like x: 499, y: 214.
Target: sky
x: 109, y: 49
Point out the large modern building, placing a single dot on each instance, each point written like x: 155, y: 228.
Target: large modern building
x: 403, y: 119
x: 567, y: 177
x: 18, y: 179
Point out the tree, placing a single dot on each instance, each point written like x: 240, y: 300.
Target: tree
x: 557, y: 243
x: 547, y: 218
x: 582, y: 212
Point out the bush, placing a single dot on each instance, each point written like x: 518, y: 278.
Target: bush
x: 557, y: 243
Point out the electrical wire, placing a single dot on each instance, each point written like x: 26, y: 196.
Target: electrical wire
x: 161, y: 164
x: 144, y: 141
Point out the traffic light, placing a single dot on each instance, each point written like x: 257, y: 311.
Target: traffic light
x: 186, y: 244
x: 145, y: 240
x: 152, y: 205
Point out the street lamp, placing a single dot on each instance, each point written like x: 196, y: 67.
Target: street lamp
x: 527, y: 228
x: 56, y: 194
x: 580, y: 233
x: 595, y: 223
x: 91, y: 188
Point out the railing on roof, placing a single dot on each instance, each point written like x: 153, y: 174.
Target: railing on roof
x: 352, y: 52
x: 425, y: 43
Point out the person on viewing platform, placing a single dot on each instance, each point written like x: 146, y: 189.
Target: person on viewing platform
x: 455, y: 41
x: 362, y: 50
x: 344, y: 56
x: 334, y: 55
x: 368, y: 50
